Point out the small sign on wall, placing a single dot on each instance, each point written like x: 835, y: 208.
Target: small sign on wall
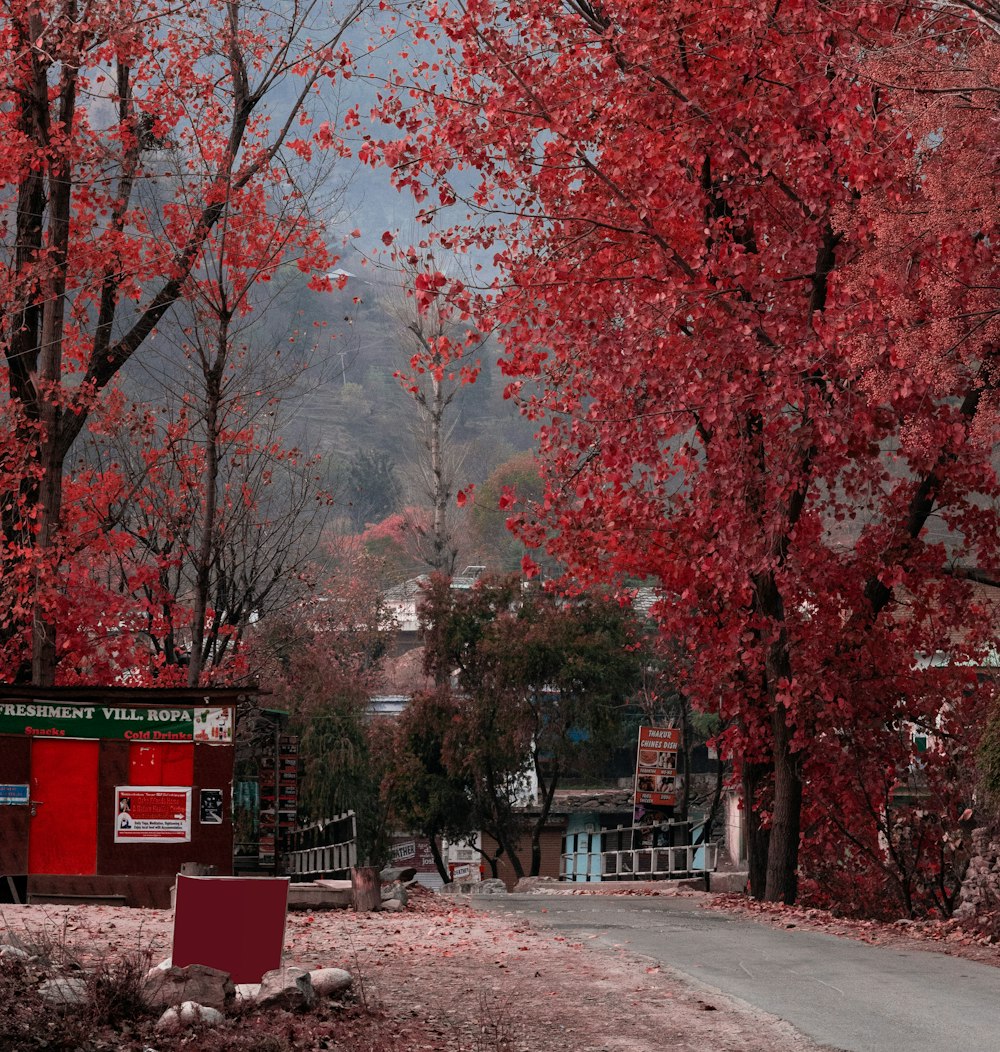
x: 210, y: 807
x: 14, y: 794
x: 152, y: 814
x: 214, y: 726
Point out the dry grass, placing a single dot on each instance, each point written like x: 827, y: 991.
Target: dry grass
x: 114, y: 1014
x: 112, y: 1003
x: 498, y: 1028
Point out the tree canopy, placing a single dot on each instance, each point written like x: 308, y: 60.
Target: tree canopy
x: 147, y: 157
x: 760, y: 340
x: 540, y: 683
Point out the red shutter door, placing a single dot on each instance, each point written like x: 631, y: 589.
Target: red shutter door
x: 63, y: 832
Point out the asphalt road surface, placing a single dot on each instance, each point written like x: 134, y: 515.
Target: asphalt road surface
x: 838, y: 992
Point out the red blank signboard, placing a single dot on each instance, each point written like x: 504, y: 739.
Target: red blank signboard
x: 235, y: 924
x: 165, y: 763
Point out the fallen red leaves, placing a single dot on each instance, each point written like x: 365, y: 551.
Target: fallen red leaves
x: 438, y: 976
x: 943, y: 936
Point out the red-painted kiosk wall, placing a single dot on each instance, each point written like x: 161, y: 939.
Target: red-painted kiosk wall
x: 106, y: 793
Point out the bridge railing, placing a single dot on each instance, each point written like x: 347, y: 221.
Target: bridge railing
x: 324, y: 850
x: 608, y: 855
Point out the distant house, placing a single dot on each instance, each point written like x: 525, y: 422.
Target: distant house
x: 584, y: 822
x: 576, y: 823
x: 402, y: 600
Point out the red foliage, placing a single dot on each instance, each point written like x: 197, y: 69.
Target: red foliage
x: 745, y: 397
x: 101, y: 100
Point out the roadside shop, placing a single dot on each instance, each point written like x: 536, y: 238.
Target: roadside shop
x: 107, y: 792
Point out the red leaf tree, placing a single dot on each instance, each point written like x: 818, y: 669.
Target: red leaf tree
x: 134, y: 137
x: 743, y: 397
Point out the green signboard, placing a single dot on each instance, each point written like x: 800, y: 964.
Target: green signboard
x: 51, y: 719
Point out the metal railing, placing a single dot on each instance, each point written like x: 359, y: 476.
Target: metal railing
x: 325, y: 850
x: 608, y: 855
x: 659, y: 863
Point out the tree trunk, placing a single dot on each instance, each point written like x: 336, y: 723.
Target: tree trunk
x: 504, y: 827
x: 23, y: 335
x: 786, y: 810
x: 536, y: 849
x: 754, y: 777
x: 52, y: 454
x: 366, y: 889
x: 508, y: 849
x: 43, y: 631
x: 491, y: 861
x: 515, y: 861
x: 783, y: 851
x: 548, y: 791
x: 444, y: 552
x: 439, y: 863
x: 713, y: 812
x: 206, y: 547
x: 687, y: 746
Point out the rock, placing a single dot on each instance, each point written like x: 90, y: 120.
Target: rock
x: 486, y: 887
x: 981, y: 886
x: 392, y: 906
x: 735, y: 881
x: 14, y: 953
x: 329, y: 982
x: 247, y: 992
x: 397, y: 873
x: 197, y: 983
x: 453, y: 888
x: 189, y: 1014
x: 474, y: 887
x: 64, y: 991
x: 287, y: 987
x: 394, y: 891
x: 536, y: 883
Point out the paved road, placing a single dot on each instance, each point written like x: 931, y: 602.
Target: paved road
x: 840, y: 993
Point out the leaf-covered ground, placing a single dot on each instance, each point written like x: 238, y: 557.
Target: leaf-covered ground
x: 977, y: 941
x: 439, y: 977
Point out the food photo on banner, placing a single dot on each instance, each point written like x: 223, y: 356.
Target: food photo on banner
x: 213, y: 725
x: 656, y: 787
